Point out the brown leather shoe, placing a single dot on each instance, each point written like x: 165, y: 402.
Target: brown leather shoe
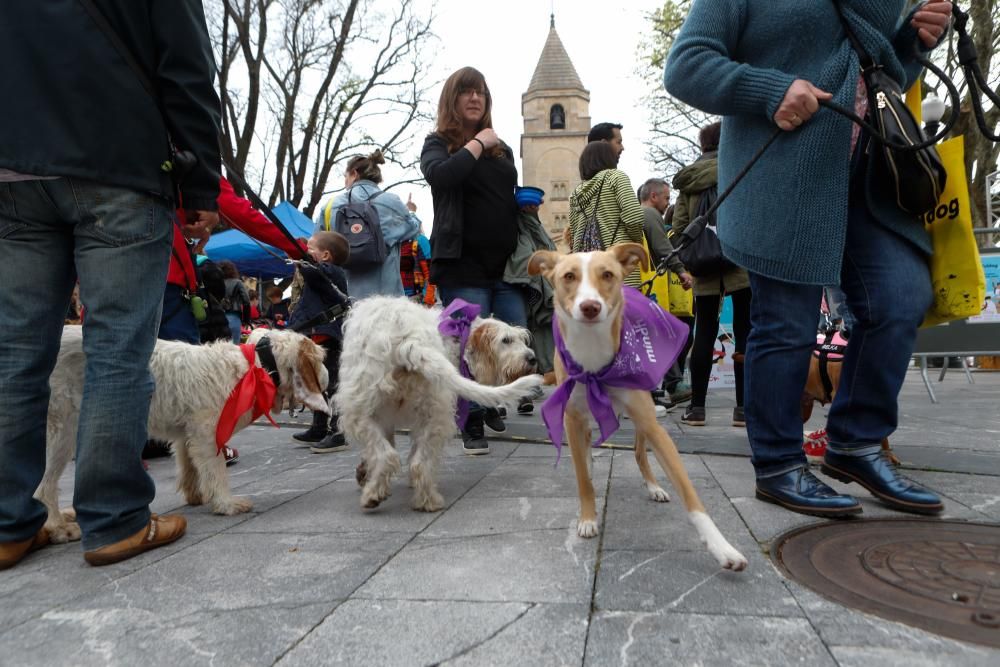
x: 161, y: 531
x: 11, y: 553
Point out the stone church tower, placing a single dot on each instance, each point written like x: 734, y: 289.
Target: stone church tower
x: 556, y: 111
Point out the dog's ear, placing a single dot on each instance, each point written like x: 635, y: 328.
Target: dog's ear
x: 309, y: 356
x: 482, y: 356
x: 629, y: 255
x: 542, y: 261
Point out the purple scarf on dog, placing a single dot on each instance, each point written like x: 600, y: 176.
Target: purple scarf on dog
x: 651, y: 340
x: 456, y: 321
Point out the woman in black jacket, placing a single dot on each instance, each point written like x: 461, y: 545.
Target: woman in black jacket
x: 472, y: 178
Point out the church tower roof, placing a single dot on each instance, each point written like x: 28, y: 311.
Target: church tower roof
x: 554, y: 70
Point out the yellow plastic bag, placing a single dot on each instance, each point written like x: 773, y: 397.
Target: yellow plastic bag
x: 956, y: 270
x: 681, y: 300
x: 661, y: 291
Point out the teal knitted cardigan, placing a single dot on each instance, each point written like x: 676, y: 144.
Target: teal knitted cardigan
x: 736, y: 58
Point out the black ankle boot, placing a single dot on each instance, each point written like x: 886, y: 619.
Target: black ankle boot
x: 317, y: 431
x: 334, y: 442
x: 474, y: 437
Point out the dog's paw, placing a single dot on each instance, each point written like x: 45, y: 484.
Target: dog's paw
x: 732, y: 560
x: 68, y: 514
x: 61, y: 533
x: 586, y: 528
x: 193, y: 498
x: 430, y: 502
x: 657, y: 493
x: 231, y: 506
x: 361, y: 473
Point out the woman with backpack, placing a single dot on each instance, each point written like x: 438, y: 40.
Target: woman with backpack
x: 603, y: 209
x: 237, y: 300
x: 396, y: 223
x: 696, y: 185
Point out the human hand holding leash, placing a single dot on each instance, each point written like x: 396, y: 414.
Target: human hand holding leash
x: 800, y: 103
x: 199, y: 226
x: 932, y: 21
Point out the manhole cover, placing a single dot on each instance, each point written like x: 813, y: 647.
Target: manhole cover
x: 942, y: 576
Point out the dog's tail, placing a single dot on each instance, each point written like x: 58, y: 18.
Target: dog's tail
x: 440, y: 372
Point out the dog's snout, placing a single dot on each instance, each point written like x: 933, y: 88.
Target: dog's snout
x: 590, y: 308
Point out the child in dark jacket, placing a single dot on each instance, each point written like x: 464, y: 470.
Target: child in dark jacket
x: 330, y: 250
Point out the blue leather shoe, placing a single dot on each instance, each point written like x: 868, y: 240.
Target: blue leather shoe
x: 800, y: 491
x: 877, y: 474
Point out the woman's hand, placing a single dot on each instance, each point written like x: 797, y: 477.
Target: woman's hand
x: 410, y: 206
x: 932, y: 21
x: 800, y: 103
x: 489, y: 138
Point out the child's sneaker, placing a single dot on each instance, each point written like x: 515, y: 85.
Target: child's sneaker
x: 814, y: 445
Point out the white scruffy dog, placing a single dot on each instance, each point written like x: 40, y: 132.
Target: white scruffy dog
x: 397, y: 370
x: 193, y: 383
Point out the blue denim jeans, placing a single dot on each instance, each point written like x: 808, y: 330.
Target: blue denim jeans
x: 177, y: 322
x: 888, y: 289
x: 503, y: 301
x: 117, y: 242
x: 235, y: 326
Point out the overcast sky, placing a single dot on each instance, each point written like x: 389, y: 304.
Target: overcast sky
x: 503, y: 39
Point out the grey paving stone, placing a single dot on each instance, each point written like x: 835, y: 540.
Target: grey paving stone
x: 534, y: 566
x: 485, y: 516
x: 335, y: 508
x: 857, y: 632
x: 630, y: 638
x: 103, y: 632
x: 690, y: 581
x: 531, y: 478
x: 402, y: 632
x: 548, y: 634
x: 862, y: 656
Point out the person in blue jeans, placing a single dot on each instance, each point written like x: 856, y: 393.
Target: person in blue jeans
x: 811, y: 213
x: 472, y: 178
x: 77, y: 201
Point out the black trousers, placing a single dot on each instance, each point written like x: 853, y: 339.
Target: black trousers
x: 706, y: 329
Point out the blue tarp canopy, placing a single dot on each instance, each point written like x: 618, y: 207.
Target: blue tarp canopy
x: 252, y: 260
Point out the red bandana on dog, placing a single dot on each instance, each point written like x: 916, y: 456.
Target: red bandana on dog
x: 255, y: 390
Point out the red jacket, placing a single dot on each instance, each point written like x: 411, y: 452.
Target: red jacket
x: 239, y: 214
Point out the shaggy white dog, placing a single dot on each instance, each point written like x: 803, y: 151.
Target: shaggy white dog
x: 193, y: 383
x: 397, y: 370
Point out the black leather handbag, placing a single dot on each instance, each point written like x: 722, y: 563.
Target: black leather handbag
x: 912, y: 168
x: 700, y: 250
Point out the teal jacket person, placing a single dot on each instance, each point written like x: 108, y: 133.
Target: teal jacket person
x: 724, y: 61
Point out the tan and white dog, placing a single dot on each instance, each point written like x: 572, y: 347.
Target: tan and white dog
x: 589, y: 305
x: 193, y: 383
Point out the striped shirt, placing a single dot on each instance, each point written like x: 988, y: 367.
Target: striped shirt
x: 619, y: 215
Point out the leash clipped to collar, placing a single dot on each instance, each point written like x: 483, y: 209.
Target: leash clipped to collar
x: 255, y: 391
x: 456, y: 321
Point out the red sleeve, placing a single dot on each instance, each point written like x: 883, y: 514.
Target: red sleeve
x: 241, y: 214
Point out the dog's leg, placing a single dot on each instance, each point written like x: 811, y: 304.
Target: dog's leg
x: 656, y: 491
x: 428, y: 439
x: 187, y: 475
x: 577, y: 432
x: 641, y: 410
x: 380, y: 457
x: 213, y: 481
x: 60, y: 438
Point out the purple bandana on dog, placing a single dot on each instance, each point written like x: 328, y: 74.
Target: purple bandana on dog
x: 456, y: 321
x: 651, y: 340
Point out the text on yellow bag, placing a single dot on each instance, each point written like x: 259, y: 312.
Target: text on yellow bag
x: 956, y: 270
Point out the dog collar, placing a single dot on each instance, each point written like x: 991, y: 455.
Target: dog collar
x: 263, y: 349
x: 456, y: 321
x: 650, y: 341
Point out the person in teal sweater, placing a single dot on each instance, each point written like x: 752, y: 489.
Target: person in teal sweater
x: 811, y: 214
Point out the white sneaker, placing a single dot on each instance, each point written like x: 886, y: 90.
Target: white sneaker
x: 660, y: 412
